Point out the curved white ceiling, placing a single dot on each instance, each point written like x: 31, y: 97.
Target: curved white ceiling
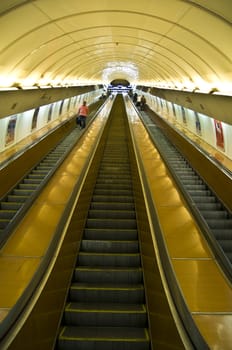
x: 169, y: 43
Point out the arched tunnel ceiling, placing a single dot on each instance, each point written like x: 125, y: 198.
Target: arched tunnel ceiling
x: 170, y: 43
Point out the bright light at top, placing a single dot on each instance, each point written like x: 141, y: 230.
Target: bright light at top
x: 120, y: 70
x: 6, y: 81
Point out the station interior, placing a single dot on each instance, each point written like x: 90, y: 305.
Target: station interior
x: 68, y: 269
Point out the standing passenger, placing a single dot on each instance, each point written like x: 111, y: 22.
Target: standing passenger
x: 142, y: 103
x: 83, y: 112
x: 135, y: 97
x: 138, y: 103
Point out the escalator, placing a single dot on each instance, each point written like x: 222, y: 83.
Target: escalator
x: 213, y: 217
x: 20, y: 198
x: 106, y: 307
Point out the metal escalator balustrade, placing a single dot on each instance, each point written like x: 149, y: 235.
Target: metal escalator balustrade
x: 214, y: 216
x: 106, y: 303
x: 17, y: 201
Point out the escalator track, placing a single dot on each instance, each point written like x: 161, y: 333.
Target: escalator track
x: 106, y: 305
x: 213, y: 216
x: 15, y: 203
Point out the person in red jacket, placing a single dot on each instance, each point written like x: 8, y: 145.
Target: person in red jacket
x: 83, y: 112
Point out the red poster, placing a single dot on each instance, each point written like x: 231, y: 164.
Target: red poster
x: 219, y: 134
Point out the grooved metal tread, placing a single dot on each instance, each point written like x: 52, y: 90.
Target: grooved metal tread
x: 108, y: 334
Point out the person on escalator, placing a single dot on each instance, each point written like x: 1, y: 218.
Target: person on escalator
x: 83, y: 112
x: 142, y: 103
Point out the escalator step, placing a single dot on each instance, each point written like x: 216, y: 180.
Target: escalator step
x: 111, y: 246
x: 35, y: 176
x: 103, y: 338
x: 112, y: 192
x: 113, y: 259
x: 3, y: 223
x: 119, y: 177
x: 112, y: 206
x: 32, y: 180
x: 108, y: 274
x: 215, y: 214
x: 192, y: 181
x: 107, y: 293
x: 22, y: 192
x: 28, y: 186
x: 121, y: 234
x: 105, y: 314
x: 114, y: 185
x: 209, y: 206
x: 7, y: 214
x: 11, y: 205
x: 111, y: 214
x: 114, y: 168
x: 17, y: 198
x: 205, y: 199
x: 220, y: 224
x: 226, y: 245
x: 109, y: 223
x: 199, y: 193
x: 195, y: 187
x: 113, y: 198
x: 222, y: 233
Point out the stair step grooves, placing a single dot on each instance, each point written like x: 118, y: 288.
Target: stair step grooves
x: 40, y: 172
x: 111, y: 214
x: 105, y: 315
x: 35, y: 176
x: 18, y: 198
x: 109, y: 259
x: 109, y: 234
x: 226, y: 245
x: 205, y: 199
x: 113, y: 185
x: 220, y: 224
x: 112, y: 206
x: 30, y: 180
x: 124, y: 338
x: 128, y: 294
x: 7, y: 214
x: 224, y: 233
x: 26, y: 186
x: 110, y: 181
x: 22, y: 192
x: 209, y: 206
x: 108, y: 274
x: 109, y: 223
x: 113, y: 198
x: 3, y: 223
x: 196, y: 193
x: 195, y: 187
x: 115, y: 168
x: 112, y: 191
x: 115, y: 176
x: 215, y: 214
x: 11, y: 205
x: 109, y: 246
